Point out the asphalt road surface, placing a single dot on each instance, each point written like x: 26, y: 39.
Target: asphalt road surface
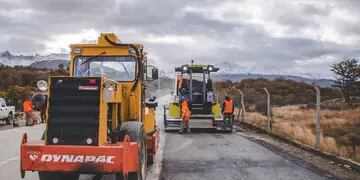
x: 226, y: 157
x: 10, y: 150
x: 183, y: 157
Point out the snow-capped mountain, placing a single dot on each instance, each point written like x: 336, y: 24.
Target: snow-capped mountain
x: 10, y: 59
x: 231, y: 68
x: 228, y: 70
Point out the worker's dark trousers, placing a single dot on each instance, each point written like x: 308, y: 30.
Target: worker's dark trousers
x: 184, y: 125
x: 42, y: 114
x: 228, y: 119
x: 29, y: 119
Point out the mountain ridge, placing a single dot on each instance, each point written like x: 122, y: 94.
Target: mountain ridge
x: 228, y: 70
x: 238, y: 77
x: 9, y: 59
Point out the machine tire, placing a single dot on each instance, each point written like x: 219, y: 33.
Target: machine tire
x: 48, y: 176
x: 136, y: 132
x: 43, y: 136
x: 165, y: 124
x: 150, y: 160
x: 165, y: 116
x: 119, y: 176
x: 58, y: 176
x: 10, y: 118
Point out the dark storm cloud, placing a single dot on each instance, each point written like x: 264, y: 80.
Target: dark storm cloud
x: 24, y: 43
x: 313, y: 10
x: 76, y: 7
x: 278, y: 35
x: 195, y: 23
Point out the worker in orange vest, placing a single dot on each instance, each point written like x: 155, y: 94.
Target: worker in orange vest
x: 228, y: 111
x: 179, y: 83
x: 185, y: 117
x: 28, y: 109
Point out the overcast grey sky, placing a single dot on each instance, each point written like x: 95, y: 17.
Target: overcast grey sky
x: 272, y: 36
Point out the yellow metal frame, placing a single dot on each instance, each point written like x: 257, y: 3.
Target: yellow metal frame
x: 174, y: 110
x: 216, y: 109
x: 127, y: 105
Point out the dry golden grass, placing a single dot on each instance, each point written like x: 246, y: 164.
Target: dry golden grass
x: 258, y: 119
x: 299, y: 125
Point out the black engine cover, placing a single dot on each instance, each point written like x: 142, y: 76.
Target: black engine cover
x: 73, y: 110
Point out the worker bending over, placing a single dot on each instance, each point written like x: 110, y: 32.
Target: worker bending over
x: 228, y: 111
x: 185, y: 117
x: 28, y: 109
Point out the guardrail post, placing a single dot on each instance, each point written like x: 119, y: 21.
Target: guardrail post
x: 317, y: 118
x: 268, y: 110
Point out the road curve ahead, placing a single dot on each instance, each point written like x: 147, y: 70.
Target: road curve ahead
x: 226, y: 157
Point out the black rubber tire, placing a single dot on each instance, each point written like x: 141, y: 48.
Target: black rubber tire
x: 164, y: 119
x: 150, y: 160
x: 136, y: 132
x: 119, y: 176
x: 48, y: 176
x: 43, y: 136
x: 10, y: 119
x: 115, y: 176
x: 58, y: 176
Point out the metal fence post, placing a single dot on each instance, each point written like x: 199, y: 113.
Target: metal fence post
x: 243, y: 110
x: 268, y: 110
x: 317, y: 119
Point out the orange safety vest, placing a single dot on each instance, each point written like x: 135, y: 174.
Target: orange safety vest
x: 185, y: 116
x: 228, y: 106
x: 27, y: 105
x: 180, y: 82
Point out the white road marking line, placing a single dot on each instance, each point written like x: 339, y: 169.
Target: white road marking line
x: 19, y: 128
x: 9, y: 160
x: 12, y: 129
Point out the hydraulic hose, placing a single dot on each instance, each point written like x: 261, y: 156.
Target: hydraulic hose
x: 138, y: 57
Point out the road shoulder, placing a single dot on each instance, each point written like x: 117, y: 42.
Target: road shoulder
x: 300, y: 157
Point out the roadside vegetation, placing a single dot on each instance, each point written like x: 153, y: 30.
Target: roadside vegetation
x: 340, y: 128
x: 293, y: 108
x: 18, y: 83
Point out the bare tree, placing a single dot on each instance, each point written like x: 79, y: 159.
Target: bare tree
x: 347, y: 77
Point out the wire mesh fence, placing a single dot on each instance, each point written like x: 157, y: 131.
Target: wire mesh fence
x: 294, y: 115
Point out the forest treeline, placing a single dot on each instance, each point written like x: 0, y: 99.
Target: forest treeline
x: 19, y: 82
x: 283, y: 91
